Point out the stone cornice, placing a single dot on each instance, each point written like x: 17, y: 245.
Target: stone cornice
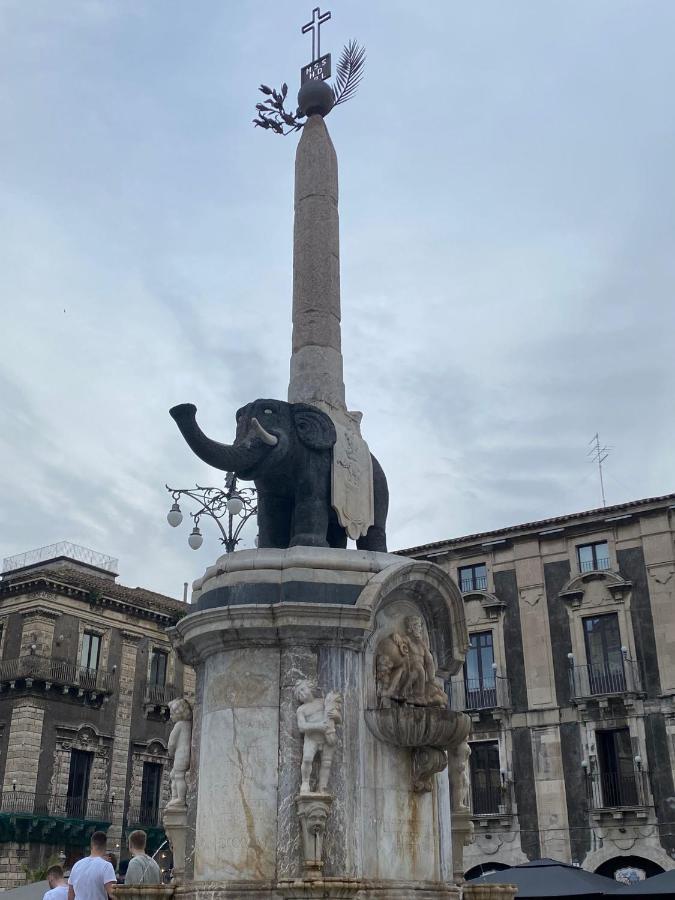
x: 201, y: 634
x: 40, y: 612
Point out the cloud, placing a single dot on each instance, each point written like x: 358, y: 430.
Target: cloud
x: 506, y: 206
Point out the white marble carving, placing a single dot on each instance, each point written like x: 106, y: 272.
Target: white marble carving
x: 317, y: 718
x: 313, y: 812
x: 459, y: 776
x: 180, y: 741
x: 405, y: 668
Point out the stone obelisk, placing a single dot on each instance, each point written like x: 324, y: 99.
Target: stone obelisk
x: 316, y: 361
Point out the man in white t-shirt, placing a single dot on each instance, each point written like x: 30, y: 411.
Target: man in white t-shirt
x: 58, y: 886
x: 93, y: 878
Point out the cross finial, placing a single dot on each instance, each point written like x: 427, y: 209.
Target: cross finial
x: 318, y: 18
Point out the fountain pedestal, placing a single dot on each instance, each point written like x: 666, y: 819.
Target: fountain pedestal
x: 286, y: 645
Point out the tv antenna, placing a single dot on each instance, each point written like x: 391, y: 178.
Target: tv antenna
x: 598, y: 454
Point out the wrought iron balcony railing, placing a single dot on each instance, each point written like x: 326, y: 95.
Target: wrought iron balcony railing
x: 62, y: 807
x: 143, y: 814
x: 159, y: 694
x: 489, y: 801
x: 619, y: 677
x: 59, y: 672
x: 598, y: 565
x: 468, y: 583
x: 476, y: 693
x: 609, y: 790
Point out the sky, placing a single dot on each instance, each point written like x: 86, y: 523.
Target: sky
x: 507, y: 212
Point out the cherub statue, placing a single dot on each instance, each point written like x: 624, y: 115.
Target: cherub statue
x: 180, y: 740
x: 317, y: 718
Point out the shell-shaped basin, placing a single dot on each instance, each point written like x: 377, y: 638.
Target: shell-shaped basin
x: 406, y: 725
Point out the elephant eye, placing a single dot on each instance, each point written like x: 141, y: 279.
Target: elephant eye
x: 268, y: 412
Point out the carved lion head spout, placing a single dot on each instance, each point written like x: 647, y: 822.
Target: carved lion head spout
x: 405, y: 670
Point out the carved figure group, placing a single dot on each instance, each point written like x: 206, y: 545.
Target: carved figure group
x: 317, y: 717
x: 180, y: 741
x: 405, y: 668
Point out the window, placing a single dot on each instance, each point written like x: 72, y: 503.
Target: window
x: 91, y: 649
x: 151, y: 787
x: 78, y: 784
x: 617, y: 771
x: 486, y: 783
x: 593, y: 556
x: 473, y: 578
x: 158, y: 668
x: 479, y: 672
x: 604, y: 655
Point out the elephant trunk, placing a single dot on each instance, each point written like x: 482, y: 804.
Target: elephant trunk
x: 226, y: 457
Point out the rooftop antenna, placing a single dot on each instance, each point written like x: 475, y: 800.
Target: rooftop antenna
x: 599, y: 454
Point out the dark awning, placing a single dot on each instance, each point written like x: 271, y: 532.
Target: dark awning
x: 550, y: 878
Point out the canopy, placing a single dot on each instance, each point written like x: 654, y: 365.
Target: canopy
x: 35, y: 891
x: 550, y: 878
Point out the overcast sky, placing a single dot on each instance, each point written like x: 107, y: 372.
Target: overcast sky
x: 507, y: 209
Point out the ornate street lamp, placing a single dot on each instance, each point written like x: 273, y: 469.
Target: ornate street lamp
x: 230, y: 509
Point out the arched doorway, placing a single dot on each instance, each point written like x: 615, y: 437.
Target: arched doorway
x: 611, y: 866
x: 484, y: 869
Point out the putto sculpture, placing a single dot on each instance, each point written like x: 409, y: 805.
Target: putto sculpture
x: 317, y: 717
x: 180, y: 741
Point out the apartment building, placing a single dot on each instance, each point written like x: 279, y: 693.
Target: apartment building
x: 570, y: 685
x: 86, y: 675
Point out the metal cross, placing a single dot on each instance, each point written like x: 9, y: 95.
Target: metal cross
x: 315, y: 27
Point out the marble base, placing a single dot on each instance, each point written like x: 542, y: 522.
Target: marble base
x: 326, y: 889
x: 384, y: 837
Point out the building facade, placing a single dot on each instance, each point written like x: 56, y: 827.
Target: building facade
x: 86, y: 674
x: 570, y: 684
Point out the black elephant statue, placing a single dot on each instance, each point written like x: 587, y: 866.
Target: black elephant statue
x: 286, y: 450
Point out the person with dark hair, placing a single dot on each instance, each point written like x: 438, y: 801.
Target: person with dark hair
x: 93, y: 878
x: 142, y: 869
x: 58, y: 886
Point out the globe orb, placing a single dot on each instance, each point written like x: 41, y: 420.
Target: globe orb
x: 315, y: 97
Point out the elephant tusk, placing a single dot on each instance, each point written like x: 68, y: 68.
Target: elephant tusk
x: 267, y: 438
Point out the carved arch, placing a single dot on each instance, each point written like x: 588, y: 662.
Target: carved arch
x: 438, y: 598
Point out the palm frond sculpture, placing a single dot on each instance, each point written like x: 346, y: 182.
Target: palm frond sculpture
x: 349, y: 72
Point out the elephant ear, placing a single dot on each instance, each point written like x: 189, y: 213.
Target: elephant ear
x: 314, y: 428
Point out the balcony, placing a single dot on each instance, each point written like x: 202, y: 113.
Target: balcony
x: 601, y: 564
x: 470, y: 583
x: 610, y: 791
x: 490, y: 801
x: 474, y: 695
x: 144, y: 815
x: 609, y: 679
x: 156, y: 697
x: 46, y: 818
x: 46, y: 672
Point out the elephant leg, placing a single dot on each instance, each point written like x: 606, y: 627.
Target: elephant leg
x: 312, y: 503
x: 337, y: 536
x: 310, y: 523
x: 274, y: 520
x: 374, y: 539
